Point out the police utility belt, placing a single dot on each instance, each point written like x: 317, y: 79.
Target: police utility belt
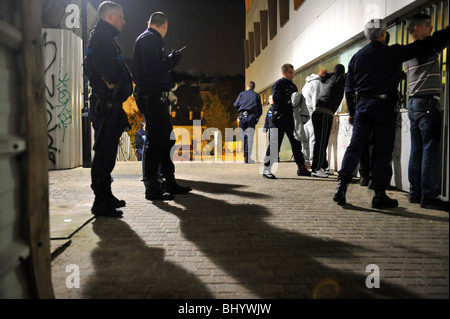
x: 375, y: 96
x: 105, y: 100
x: 244, y: 114
x: 152, y: 92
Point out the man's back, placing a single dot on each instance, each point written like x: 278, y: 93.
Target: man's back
x: 151, y: 66
x: 249, y: 101
x: 424, y: 75
x: 377, y: 67
x: 311, y: 91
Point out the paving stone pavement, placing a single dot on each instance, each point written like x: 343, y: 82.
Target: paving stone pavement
x: 239, y: 236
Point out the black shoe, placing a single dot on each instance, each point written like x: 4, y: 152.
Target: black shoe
x: 158, y: 195
x: 172, y: 187
x: 414, y: 199
x: 269, y: 176
x: 341, y: 191
x: 434, y: 203
x: 370, y: 185
x: 364, y: 181
x: 153, y: 191
x: 382, y: 201
x: 303, y: 172
x: 106, y: 209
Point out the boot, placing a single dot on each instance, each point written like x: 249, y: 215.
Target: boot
x: 153, y: 191
x: 103, y: 207
x: 341, y: 191
x: 117, y: 203
x: 364, y: 181
x: 171, y: 186
x: 382, y: 201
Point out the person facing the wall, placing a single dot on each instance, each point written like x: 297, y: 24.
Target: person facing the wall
x: 424, y: 91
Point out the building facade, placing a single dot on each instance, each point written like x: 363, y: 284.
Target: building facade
x: 316, y: 35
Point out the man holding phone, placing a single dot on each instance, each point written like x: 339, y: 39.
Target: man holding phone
x: 152, y: 75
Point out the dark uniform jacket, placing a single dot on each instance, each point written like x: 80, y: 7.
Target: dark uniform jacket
x: 376, y: 68
x: 138, y: 140
x: 281, y: 92
x: 249, y: 101
x: 268, y: 123
x: 104, y: 60
x: 151, y: 65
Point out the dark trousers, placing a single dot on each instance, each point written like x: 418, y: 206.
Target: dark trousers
x: 322, y: 129
x: 139, y: 152
x: 284, y: 126
x: 366, y: 160
x: 379, y: 117
x: 104, y: 159
x: 247, y: 130
x: 157, y: 150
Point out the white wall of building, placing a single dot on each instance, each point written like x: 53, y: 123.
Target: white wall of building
x: 316, y: 28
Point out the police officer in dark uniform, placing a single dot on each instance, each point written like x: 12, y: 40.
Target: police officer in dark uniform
x: 152, y: 75
x: 249, y: 107
x: 111, y: 85
x: 283, y: 118
x: 371, y: 93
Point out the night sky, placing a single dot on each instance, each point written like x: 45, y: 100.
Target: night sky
x: 212, y: 30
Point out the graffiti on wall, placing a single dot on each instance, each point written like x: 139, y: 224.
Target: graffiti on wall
x: 58, y: 98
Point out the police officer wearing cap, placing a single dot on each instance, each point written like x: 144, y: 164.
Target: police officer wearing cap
x: 249, y: 107
x: 111, y: 85
x: 371, y: 93
x: 152, y: 69
x: 283, y: 119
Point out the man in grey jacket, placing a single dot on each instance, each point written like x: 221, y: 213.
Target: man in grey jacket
x: 310, y: 92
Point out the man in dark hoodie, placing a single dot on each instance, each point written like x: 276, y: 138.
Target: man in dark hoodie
x: 329, y: 100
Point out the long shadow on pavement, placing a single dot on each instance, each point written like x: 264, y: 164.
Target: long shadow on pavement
x: 269, y: 261
x: 127, y: 268
x: 399, y: 211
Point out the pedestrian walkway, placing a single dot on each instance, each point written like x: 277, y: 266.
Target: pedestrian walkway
x: 239, y: 236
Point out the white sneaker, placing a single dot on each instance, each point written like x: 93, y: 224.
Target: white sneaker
x: 320, y: 174
x: 329, y: 171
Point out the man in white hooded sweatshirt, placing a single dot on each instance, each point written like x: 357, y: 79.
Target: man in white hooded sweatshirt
x: 310, y: 91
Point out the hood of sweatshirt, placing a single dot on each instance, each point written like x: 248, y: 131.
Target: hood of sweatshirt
x: 312, y: 77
